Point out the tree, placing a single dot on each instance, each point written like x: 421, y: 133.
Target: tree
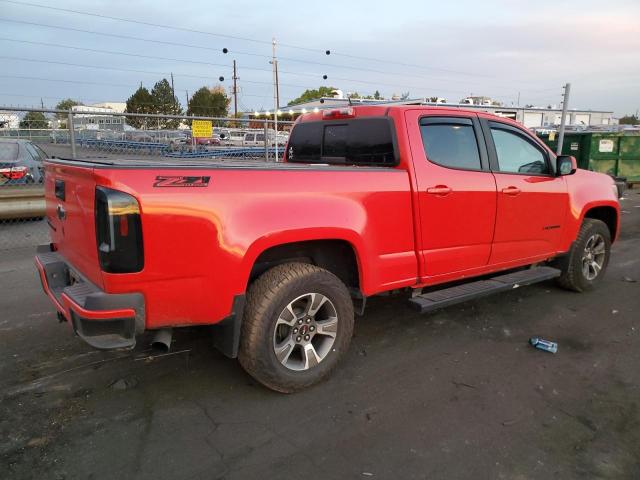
x: 140, y: 102
x: 34, y: 120
x: 314, y: 94
x: 65, y: 104
x: 377, y: 95
x: 629, y: 120
x: 404, y: 96
x: 165, y: 102
x: 209, y: 102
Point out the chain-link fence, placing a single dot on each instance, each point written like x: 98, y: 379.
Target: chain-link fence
x: 29, y: 136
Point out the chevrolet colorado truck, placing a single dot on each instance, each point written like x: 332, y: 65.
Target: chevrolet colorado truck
x: 277, y: 257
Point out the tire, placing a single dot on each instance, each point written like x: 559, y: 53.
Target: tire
x: 269, y: 325
x: 575, y: 276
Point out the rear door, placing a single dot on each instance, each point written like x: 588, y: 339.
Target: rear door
x: 532, y: 201
x: 456, y: 191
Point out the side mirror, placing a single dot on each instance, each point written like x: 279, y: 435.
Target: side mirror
x: 566, y: 165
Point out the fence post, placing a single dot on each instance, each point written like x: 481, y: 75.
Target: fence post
x: 72, y: 135
x: 266, y: 141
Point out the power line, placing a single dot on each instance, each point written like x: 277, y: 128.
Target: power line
x: 188, y: 45
x: 364, y: 82
x: 147, y: 72
x: 201, y: 62
x: 234, y: 37
x: 100, y: 67
x: 60, y: 80
x: 10, y: 94
x: 138, y: 22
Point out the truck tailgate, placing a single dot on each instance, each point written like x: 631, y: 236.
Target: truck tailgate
x: 70, y: 210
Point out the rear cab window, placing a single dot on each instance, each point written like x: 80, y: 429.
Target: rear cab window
x: 367, y: 141
x: 450, y: 142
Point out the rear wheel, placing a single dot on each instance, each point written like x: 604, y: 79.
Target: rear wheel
x: 297, y: 324
x: 586, y: 263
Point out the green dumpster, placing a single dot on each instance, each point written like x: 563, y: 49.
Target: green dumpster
x: 614, y: 153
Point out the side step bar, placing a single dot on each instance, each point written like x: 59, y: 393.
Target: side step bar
x: 428, y: 302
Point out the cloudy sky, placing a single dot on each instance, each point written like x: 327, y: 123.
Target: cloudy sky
x: 500, y: 48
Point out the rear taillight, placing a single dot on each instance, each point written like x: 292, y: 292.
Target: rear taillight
x: 118, y: 231
x: 13, y: 173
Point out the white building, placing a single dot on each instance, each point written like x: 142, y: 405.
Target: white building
x: 90, y: 121
x: 9, y: 120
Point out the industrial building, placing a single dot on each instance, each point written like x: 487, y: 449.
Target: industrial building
x: 98, y: 122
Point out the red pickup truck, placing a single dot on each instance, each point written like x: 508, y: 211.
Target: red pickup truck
x: 447, y: 203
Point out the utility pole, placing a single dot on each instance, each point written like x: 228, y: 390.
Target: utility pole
x: 235, y: 90
x: 565, y: 104
x: 186, y: 92
x: 173, y: 90
x: 276, y: 99
x: 277, y: 87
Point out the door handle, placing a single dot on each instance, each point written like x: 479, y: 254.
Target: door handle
x: 439, y: 190
x: 511, y: 190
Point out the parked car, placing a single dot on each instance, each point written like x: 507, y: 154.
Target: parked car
x: 279, y: 256
x: 253, y: 139
x: 203, y: 141
x: 20, y: 162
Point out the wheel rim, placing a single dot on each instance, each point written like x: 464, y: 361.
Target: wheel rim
x: 305, y: 331
x: 593, y: 256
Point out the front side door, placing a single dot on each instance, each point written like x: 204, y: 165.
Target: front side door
x: 456, y: 192
x: 532, y: 200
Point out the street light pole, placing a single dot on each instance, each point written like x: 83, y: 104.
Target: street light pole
x: 565, y: 104
x: 275, y: 96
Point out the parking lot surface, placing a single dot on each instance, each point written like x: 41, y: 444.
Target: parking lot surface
x: 454, y: 394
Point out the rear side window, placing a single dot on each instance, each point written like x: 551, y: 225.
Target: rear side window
x: 450, y: 143
x: 361, y: 141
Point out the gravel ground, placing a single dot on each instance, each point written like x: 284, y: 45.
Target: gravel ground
x: 455, y: 394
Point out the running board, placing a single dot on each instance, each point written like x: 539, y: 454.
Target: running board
x: 428, y: 302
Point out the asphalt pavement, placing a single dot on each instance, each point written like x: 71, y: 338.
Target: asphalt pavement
x: 454, y: 394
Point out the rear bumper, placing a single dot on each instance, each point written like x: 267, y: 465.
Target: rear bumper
x: 105, y: 321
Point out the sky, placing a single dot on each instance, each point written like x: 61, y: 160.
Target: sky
x: 506, y: 49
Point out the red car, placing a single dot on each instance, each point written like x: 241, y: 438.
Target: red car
x: 206, y: 141
x: 278, y: 257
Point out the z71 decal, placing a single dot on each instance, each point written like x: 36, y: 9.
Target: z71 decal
x: 180, y: 181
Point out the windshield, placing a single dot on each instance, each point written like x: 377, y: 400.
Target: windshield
x: 8, y: 151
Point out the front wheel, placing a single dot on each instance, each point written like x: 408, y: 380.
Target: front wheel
x: 588, y: 258
x: 297, y: 324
